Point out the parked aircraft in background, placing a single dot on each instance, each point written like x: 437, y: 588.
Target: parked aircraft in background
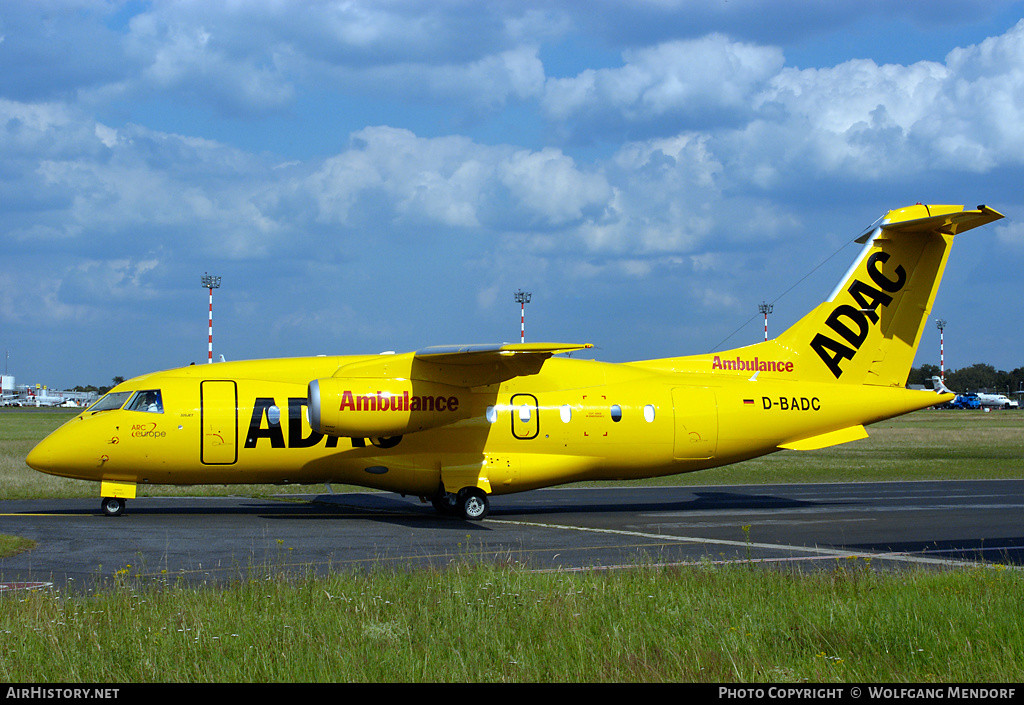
x: 996, y: 401
x: 457, y: 425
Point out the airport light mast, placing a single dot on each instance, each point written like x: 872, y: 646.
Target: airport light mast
x: 211, y: 283
x: 765, y: 309
x: 942, y: 353
x: 523, y: 298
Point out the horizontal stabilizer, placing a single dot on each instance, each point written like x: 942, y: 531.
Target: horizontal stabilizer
x: 948, y: 223
x: 824, y: 440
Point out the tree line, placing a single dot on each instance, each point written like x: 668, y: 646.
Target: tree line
x: 101, y: 390
x: 976, y: 378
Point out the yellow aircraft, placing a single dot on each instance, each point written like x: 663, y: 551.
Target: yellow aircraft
x: 454, y: 425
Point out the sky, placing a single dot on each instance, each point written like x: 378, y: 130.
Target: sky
x: 373, y: 176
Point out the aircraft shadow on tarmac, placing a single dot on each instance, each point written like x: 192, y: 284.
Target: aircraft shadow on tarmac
x: 699, y: 501
x: 388, y: 507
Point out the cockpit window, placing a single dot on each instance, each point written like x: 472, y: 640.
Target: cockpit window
x: 148, y: 400
x: 115, y: 400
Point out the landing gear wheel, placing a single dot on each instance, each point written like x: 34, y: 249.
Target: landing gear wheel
x: 473, y: 503
x: 112, y: 506
x: 444, y: 503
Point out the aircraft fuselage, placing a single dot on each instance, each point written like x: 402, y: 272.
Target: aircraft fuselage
x: 247, y: 422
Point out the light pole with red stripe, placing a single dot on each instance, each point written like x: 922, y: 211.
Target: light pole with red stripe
x: 211, y: 283
x: 523, y: 297
x: 765, y: 309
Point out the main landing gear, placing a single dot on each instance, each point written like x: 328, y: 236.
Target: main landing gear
x: 468, y: 503
x: 112, y: 506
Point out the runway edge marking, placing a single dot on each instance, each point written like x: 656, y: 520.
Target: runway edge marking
x: 814, y: 550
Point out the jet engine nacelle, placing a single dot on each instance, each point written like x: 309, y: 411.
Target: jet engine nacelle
x: 357, y: 407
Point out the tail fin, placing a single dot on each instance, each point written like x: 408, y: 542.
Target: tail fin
x: 868, y: 330
x: 940, y: 387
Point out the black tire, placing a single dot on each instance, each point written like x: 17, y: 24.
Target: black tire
x: 445, y: 504
x: 112, y: 506
x: 473, y: 504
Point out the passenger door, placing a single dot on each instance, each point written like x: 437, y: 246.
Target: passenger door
x: 696, y: 422
x: 219, y: 410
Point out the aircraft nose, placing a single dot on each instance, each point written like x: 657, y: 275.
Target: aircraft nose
x: 41, y: 457
x: 65, y: 452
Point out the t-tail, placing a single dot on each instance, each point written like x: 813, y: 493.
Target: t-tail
x: 868, y: 330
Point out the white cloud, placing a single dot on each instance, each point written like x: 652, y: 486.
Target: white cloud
x: 856, y: 121
x: 1011, y: 235
x: 681, y: 78
x: 192, y: 60
x: 862, y: 121
x: 451, y: 181
x: 549, y: 185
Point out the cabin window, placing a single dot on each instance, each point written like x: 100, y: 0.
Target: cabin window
x: 114, y: 400
x: 148, y: 400
x: 565, y: 413
x: 649, y: 413
x: 616, y: 413
x: 524, y: 413
x: 492, y: 414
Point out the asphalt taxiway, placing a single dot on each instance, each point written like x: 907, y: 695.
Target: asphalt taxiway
x: 807, y: 526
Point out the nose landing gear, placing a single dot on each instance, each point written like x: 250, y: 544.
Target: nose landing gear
x: 112, y: 506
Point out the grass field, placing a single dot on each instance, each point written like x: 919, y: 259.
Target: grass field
x: 502, y: 624
x: 497, y: 623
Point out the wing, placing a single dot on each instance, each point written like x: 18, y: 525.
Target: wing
x: 463, y: 365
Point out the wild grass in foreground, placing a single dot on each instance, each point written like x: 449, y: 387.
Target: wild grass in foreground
x: 487, y: 623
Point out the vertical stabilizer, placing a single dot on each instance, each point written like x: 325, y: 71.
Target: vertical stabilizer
x: 868, y: 330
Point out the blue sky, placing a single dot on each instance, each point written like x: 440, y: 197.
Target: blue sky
x: 370, y: 176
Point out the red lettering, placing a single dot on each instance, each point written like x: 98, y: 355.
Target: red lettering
x: 754, y: 365
x: 385, y: 401
x: 346, y: 401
